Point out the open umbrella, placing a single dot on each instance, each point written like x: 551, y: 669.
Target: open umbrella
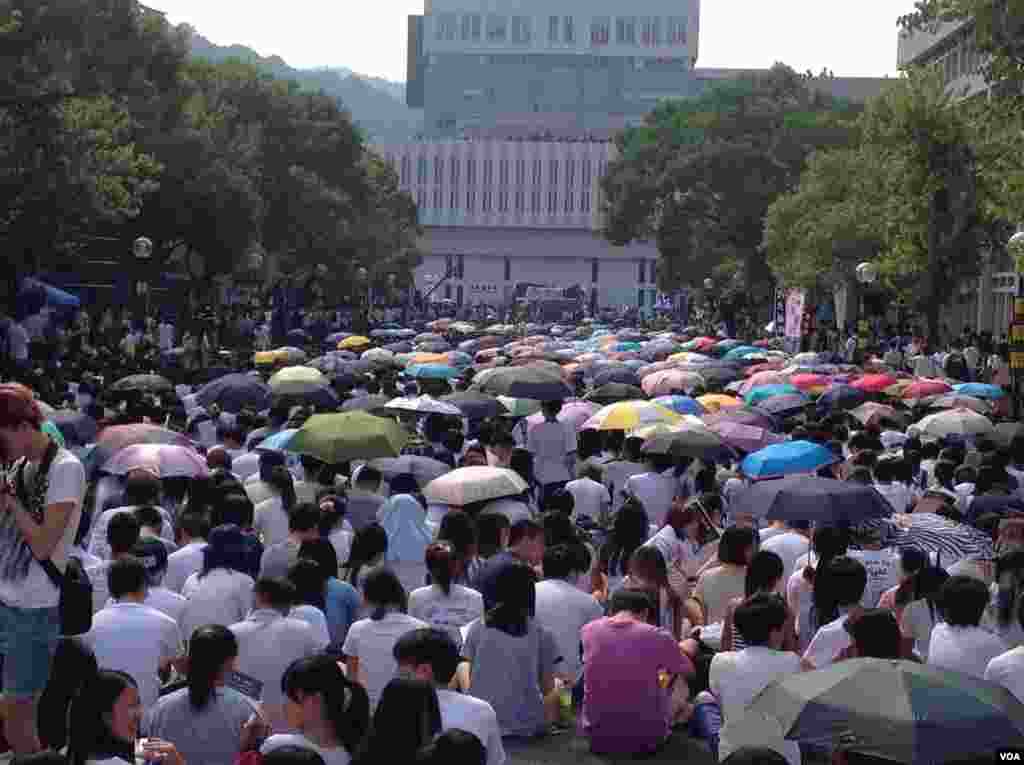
x: 717, y: 402
x: 872, y: 413
x: 960, y: 401
x: 424, y: 405
x: 117, y: 437
x: 171, y: 460
x: 519, y: 407
x: 628, y: 415
x: 669, y: 381
x: 476, y: 406
x: 681, y: 405
x: 920, y: 389
x: 142, y: 384
x: 900, y: 711
x: 874, y: 383
x: 810, y: 498
x: 423, y: 469
x: 469, y: 485
x: 431, y: 372
x: 337, y: 438
x: 763, y: 393
x: 353, y: 342
x: 980, y: 390
x: 788, y: 458
x: 840, y: 398
x: 687, y: 440
x: 754, y: 418
x: 746, y: 438
x: 235, y: 392
x: 536, y: 380
x: 615, y: 392
x: 279, y: 441
x: 956, y: 422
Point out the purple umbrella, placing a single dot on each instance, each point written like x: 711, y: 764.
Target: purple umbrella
x: 746, y: 438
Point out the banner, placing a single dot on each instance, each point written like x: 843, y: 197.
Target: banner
x: 795, y: 313
x: 779, y: 317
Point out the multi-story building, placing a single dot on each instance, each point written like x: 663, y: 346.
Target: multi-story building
x: 985, y: 303
x: 497, y: 214
x: 564, y: 64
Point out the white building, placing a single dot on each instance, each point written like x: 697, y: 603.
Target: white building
x: 502, y: 213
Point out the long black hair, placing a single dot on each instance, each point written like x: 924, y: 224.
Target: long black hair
x: 89, y: 735
x: 283, y: 483
x: 369, y: 544
x: 345, y: 703
x: 630, y: 531
x: 407, y: 719
x: 74, y: 667
x: 310, y: 582
x: 515, y: 598
x: 210, y: 648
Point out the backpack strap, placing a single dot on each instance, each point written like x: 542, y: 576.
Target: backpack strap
x: 23, y: 496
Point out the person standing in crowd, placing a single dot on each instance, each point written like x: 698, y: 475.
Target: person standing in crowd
x: 193, y: 528
x: 553, y: 446
x: 40, y: 510
x: 959, y: 642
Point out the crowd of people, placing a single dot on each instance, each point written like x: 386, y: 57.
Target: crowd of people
x: 277, y: 609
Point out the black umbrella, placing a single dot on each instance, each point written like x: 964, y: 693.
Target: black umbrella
x: 540, y: 383
x: 399, y: 347
x: 322, y: 398
x: 613, y: 392
x: 476, y: 406
x: 365, y: 404
x: 782, y: 405
x: 235, y: 392
x: 809, y: 498
x: 621, y: 375
x: 142, y: 384
x: 76, y: 427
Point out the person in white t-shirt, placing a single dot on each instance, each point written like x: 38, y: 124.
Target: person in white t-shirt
x: 39, y: 518
x: 1007, y: 669
x: 553, y: 446
x: 789, y: 545
x: 132, y: 637
x: 843, y: 586
x: 166, y: 333
x: 655, y: 488
x: 369, y: 643
x: 958, y: 642
x: 444, y: 604
x: 432, y: 656
x: 193, y: 528
x: 882, y: 564
x: 563, y: 609
x: 590, y: 496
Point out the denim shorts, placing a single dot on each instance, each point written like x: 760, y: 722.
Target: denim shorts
x: 28, y: 639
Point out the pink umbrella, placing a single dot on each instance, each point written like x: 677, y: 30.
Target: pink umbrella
x: 747, y: 438
x: 767, y: 366
x: 167, y: 460
x: 806, y: 382
x: 763, y: 378
x: 669, y: 381
x: 573, y: 412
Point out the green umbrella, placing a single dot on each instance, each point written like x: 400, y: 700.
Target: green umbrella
x: 337, y: 438
x: 896, y: 710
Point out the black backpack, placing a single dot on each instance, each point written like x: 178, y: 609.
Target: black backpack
x: 74, y: 584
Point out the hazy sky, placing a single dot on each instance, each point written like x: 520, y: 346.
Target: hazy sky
x: 850, y: 37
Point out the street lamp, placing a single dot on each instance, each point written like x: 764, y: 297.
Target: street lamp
x: 867, y: 274
x: 142, y: 249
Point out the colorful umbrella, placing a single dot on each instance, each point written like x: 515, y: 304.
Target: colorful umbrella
x: 716, y: 402
x: 763, y: 393
x: 628, y: 415
x: 873, y: 414
x: 337, y: 438
x: 351, y: 343
x: 431, y: 372
x: 681, y: 405
x: 746, y: 438
x: 840, y: 398
x: 296, y: 381
x: 874, y: 383
x: 920, y: 389
x: 789, y: 458
x: 469, y: 485
x: 669, y: 381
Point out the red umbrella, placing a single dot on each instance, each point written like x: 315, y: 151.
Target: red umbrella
x: 705, y: 343
x: 926, y: 389
x: 874, y: 383
x: 807, y: 382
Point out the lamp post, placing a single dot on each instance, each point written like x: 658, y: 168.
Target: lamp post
x: 142, y: 249
x: 1015, y: 248
x: 867, y: 274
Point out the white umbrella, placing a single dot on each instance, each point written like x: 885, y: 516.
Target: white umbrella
x: 424, y: 405
x: 960, y: 422
x: 468, y: 485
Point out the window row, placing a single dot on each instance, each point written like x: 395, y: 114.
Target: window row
x: 533, y: 202
x: 644, y: 31
x: 453, y: 171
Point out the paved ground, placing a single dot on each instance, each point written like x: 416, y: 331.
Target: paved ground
x: 568, y: 749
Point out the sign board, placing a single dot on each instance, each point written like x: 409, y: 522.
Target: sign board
x: 795, y: 313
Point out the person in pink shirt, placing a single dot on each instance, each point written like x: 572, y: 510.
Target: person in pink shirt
x: 912, y: 560
x: 633, y: 693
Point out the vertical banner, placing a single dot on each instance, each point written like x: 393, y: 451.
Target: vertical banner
x: 794, y: 314
x: 779, y: 317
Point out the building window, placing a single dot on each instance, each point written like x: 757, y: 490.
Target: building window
x: 460, y: 271
x: 508, y: 269
x: 520, y: 199
x: 554, y: 25
x: 438, y: 170
x: 438, y: 200
x: 552, y: 202
x: 455, y: 171
x: 470, y: 201
x: 570, y: 172
x: 488, y: 172
x: 568, y: 30
x: 585, y: 202
x: 677, y: 30
x: 406, y: 168
x: 453, y: 203
x: 595, y: 267
x: 625, y: 30
x: 486, y: 202
x: 553, y: 172
x: 642, y: 277
x: 520, y: 172
x: 535, y: 201
x: 421, y: 170
x: 470, y: 27
x: 497, y: 28
x: 521, y: 29
x: 470, y: 172
x: 600, y: 30
x: 640, y: 295
x: 503, y: 172
x: 503, y: 201
x: 650, y: 31
x: 537, y: 169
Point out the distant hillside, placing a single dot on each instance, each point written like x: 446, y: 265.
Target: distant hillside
x: 377, y: 105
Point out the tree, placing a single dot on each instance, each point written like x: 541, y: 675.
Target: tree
x: 699, y: 175
x: 913, y: 191
x: 999, y: 30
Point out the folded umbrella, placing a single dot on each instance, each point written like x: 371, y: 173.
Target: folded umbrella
x: 469, y: 485
x: 788, y: 458
x: 810, y: 498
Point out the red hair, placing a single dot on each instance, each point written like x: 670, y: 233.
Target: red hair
x: 18, y: 405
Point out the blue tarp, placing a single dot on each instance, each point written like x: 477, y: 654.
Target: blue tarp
x: 54, y: 296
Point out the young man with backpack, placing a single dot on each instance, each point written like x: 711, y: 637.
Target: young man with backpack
x: 40, y: 509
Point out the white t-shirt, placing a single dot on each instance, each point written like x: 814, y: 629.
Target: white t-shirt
x: 163, y: 600
x: 372, y: 642
x: 550, y: 442
x: 137, y: 639
x: 1007, y: 670
x: 830, y: 640
x: 789, y: 546
x: 221, y: 597
x: 736, y: 678
x: 17, y: 338
x: 337, y: 756
x: 23, y: 583
x: 473, y: 715
x: 883, y: 567
x: 446, y: 612
x: 271, y: 521
x: 182, y: 563
x: 590, y: 498
x: 964, y: 649
x: 315, y: 618
x: 98, y: 534
x: 615, y: 476
x: 917, y: 622
x: 655, y: 492
x: 563, y: 609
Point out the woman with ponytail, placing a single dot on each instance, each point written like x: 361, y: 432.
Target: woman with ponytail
x: 829, y: 543
x: 209, y: 723
x: 919, y: 596
x: 330, y: 713
x: 272, y: 514
x: 444, y: 604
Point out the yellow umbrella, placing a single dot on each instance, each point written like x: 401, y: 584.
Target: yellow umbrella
x: 716, y: 402
x: 629, y: 415
x: 356, y: 341
x: 265, y: 358
x: 649, y: 431
x: 427, y: 358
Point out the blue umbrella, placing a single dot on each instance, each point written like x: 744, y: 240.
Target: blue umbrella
x: 980, y: 390
x: 235, y: 392
x: 843, y: 397
x: 279, y: 441
x: 737, y: 354
x: 759, y: 394
x: 788, y: 458
x: 431, y: 372
x: 681, y: 405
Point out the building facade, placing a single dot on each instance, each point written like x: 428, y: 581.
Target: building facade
x: 564, y: 64
x: 498, y: 214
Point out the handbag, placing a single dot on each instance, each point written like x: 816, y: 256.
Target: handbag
x: 75, y: 588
